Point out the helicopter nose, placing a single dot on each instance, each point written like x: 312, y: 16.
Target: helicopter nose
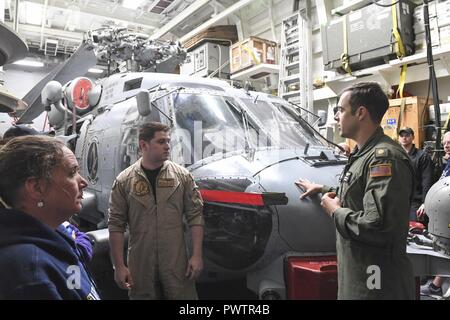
x: 303, y: 224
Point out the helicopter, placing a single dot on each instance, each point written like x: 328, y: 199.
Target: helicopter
x: 245, y: 150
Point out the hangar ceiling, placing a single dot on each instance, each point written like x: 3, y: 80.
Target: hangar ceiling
x: 53, y: 27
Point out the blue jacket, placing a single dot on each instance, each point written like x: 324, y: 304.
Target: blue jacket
x: 446, y: 171
x: 37, y: 262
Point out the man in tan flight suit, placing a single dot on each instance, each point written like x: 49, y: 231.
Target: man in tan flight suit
x: 151, y: 197
x: 371, y: 207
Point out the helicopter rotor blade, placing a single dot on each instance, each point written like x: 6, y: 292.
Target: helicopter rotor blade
x: 12, y: 46
x: 77, y: 65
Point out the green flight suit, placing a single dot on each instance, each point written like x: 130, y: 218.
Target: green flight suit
x: 375, y: 193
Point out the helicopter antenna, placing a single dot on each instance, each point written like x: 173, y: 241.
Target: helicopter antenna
x: 303, y: 109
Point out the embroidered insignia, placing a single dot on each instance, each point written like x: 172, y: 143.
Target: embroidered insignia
x: 340, y: 177
x: 166, y: 182
x: 141, y: 188
x: 347, y: 177
x: 381, y: 170
x: 381, y: 152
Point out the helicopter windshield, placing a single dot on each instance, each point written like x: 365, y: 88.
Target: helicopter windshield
x: 208, y: 124
x: 286, y: 127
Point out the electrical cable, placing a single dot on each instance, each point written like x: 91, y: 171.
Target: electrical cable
x: 434, y: 85
x: 385, y: 5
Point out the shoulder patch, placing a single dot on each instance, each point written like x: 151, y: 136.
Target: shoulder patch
x: 381, y: 152
x: 380, y: 170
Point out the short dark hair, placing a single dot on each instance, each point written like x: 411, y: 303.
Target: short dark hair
x: 371, y: 96
x: 147, y: 130
x: 25, y: 157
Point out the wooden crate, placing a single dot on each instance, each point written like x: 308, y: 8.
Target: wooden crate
x: 415, y: 115
x: 224, y: 35
x: 250, y: 52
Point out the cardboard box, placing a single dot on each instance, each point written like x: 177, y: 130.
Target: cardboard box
x: 415, y: 115
x: 252, y: 51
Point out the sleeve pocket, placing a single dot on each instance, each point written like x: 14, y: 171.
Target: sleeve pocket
x: 372, y: 214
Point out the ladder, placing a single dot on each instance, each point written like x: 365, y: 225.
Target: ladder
x: 295, y: 81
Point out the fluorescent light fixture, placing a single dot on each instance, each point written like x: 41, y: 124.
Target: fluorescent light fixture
x: 29, y: 63
x: 131, y: 4
x: 95, y: 70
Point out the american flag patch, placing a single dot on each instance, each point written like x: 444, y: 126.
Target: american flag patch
x: 381, y: 170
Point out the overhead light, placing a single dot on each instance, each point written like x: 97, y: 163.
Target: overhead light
x: 95, y: 70
x: 29, y: 63
x: 131, y: 4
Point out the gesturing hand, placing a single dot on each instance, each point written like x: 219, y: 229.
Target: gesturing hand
x: 310, y: 188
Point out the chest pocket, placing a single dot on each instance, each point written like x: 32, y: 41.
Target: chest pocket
x: 141, y: 206
x: 352, y: 189
x: 168, y: 188
x: 170, y: 201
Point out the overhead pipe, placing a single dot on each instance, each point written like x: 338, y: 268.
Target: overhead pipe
x: 44, y: 17
x: 16, y: 17
x: 272, y: 24
x: 215, y: 19
x: 178, y: 19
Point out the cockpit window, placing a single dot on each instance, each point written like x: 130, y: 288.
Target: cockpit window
x: 283, y: 123
x: 207, y: 125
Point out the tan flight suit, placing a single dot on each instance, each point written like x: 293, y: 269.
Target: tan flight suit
x: 157, y: 256
x: 375, y: 193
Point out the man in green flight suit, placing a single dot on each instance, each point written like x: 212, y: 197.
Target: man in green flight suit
x: 371, y: 207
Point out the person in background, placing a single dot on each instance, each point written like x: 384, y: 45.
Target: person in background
x: 446, y: 144
x: 423, y: 172
x: 40, y: 189
x: 84, y: 246
x: 433, y: 288
x: 370, y: 207
x: 82, y: 240
x: 151, y: 198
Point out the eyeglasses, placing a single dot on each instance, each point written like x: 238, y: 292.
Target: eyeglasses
x: 337, y: 109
